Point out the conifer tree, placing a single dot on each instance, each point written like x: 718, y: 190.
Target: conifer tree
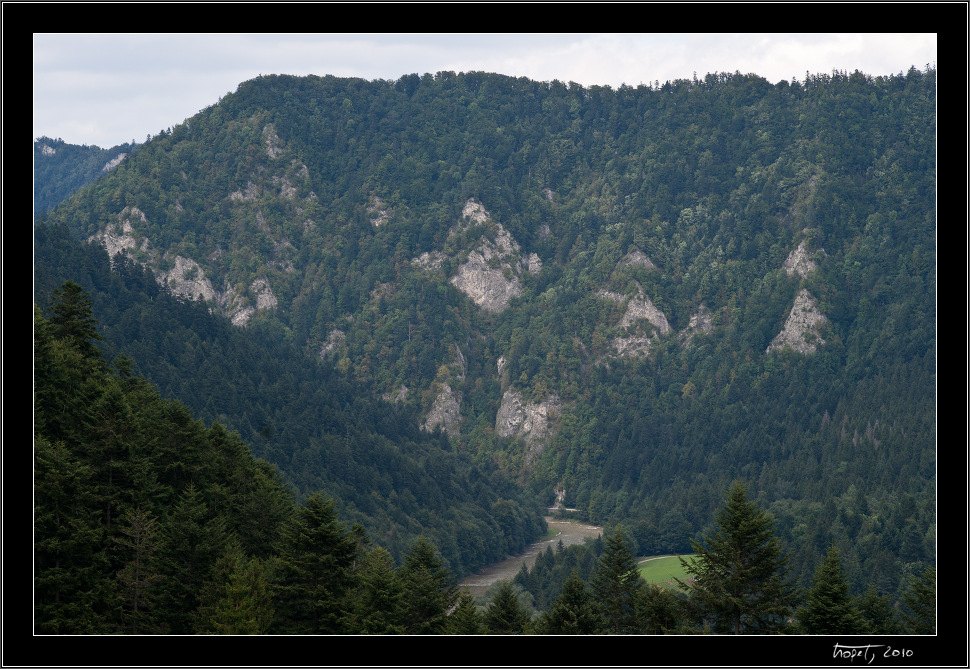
x: 878, y: 613
x: 573, y: 611
x: 72, y: 319
x: 615, y: 583
x: 376, y: 607
x: 739, y: 580
x: 191, y: 545
x: 313, y: 570
x: 919, y: 600
x: 658, y: 610
x: 139, y: 578
x: 69, y: 562
x: 246, y: 606
x: 504, y: 614
x: 429, y: 589
x: 466, y: 618
x: 829, y: 608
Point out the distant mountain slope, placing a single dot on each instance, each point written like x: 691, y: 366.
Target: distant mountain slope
x: 319, y: 428
x: 630, y: 295
x: 61, y: 168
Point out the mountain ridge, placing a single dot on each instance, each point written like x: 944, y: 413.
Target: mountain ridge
x: 370, y: 220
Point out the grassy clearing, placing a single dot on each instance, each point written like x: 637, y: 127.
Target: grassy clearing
x: 662, y: 569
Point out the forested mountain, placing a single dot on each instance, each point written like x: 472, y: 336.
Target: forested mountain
x: 627, y: 296
x: 61, y: 168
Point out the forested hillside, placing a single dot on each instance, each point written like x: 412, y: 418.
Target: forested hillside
x: 146, y: 521
x: 61, y: 168
x: 319, y: 428
x: 630, y: 296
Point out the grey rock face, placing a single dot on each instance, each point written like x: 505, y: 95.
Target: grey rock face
x: 801, y: 331
x: 445, y: 412
x: 530, y: 421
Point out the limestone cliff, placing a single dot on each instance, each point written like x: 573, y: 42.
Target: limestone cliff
x: 701, y: 322
x: 445, y: 412
x: 634, y: 340
x: 531, y: 421
x: 801, y: 331
x: 799, y: 261
x: 183, y: 276
x: 490, y: 272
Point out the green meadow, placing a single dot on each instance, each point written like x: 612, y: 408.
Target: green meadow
x: 662, y: 569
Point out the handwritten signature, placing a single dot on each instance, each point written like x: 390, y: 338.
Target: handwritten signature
x: 869, y: 652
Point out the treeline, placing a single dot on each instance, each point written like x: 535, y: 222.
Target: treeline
x: 739, y: 581
x: 320, y: 429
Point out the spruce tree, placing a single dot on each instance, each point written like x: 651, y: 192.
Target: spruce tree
x: 312, y: 571
x: 504, y: 614
x: 430, y: 590
x: 138, y: 580
x: 739, y: 581
x: 658, y: 610
x: 377, y: 605
x: 71, y: 317
x: 246, y: 607
x: 878, y: 612
x: 919, y: 603
x: 465, y: 618
x: 573, y: 611
x: 192, y: 543
x: 615, y: 584
x: 829, y: 608
x: 69, y: 560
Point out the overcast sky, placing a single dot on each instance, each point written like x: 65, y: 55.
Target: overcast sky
x: 109, y: 89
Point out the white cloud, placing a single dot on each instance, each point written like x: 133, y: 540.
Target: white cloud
x: 107, y: 89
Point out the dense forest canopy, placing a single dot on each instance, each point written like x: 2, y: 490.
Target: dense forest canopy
x: 625, y: 297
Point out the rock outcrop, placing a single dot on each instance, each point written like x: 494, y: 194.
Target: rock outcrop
x: 799, y: 261
x: 801, y: 331
x: 114, y: 162
x: 490, y: 274
x: 377, y: 211
x: 184, y: 277
x: 637, y: 258
x: 700, y: 322
x: 636, y: 341
x: 530, y: 421
x: 334, y: 339
x: 445, y: 412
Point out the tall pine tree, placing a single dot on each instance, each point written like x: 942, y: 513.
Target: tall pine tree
x: 919, y: 600
x: 430, y: 590
x: 572, y: 612
x: 739, y: 581
x: 829, y: 608
x: 615, y: 584
x: 504, y: 614
x: 313, y: 570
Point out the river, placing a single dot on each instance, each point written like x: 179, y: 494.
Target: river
x: 568, y: 531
